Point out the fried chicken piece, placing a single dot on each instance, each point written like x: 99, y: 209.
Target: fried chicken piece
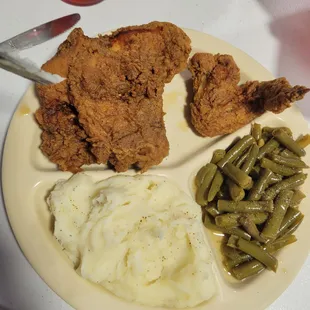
x: 118, y: 95
x: 221, y: 106
x: 63, y: 138
x: 116, y: 83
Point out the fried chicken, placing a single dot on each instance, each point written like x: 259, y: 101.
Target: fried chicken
x: 221, y: 106
x: 114, y: 90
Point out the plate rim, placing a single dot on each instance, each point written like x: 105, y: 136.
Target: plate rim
x: 5, y: 173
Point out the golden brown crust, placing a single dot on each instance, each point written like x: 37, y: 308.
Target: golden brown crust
x: 221, y: 106
x: 115, y: 84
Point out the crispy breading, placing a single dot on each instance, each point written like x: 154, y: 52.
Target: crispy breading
x: 220, y: 106
x: 115, y: 84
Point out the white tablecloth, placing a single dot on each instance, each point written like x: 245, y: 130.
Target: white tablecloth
x: 274, y: 32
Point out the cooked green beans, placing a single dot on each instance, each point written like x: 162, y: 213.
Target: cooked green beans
x: 230, y: 220
x: 297, y: 198
x: 292, y: 215
x: 200, y: 176
x: 276, y: 168
x: 288, y: 142
x: 244, y: 206
x: 236, y: 150
x: 260, y: 185
x: 288, y: 154
x: 242, y: 271
x: 280, y: 243
x: 286, y: 161
x: 236, y: 192
x: 275, y: 178
x: 241, y: 159
x: 250, y: 160
x: 247, y: 269
x: 256, y: 131
x: 231, y: 263
x: 267, y: 148
x: 202, y: 192
x: 250, y: 194
x: 212, y: 209
x: 303, y: 141
x: 294, y: 226
x: 273, y: 224
x: 255, y: 172
x: 255, y: 251
x: 238, y: 176
x: 289, y: 183
x: 270, y: 130
x: 215, y: 185
x: 231, y: 231
x: 251, y: 228
x: 217, y: 156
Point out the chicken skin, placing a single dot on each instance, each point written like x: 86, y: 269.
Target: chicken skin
x: 221, y: 106
x: 114, y: 86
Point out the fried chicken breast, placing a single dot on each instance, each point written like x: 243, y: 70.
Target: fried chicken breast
x: 221, y: 106
x: 114, y: 90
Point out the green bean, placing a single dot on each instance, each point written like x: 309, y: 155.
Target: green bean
x: 217, y: 156
x: 247, y: 269
x: 251, y: 228
x: 244, y: 206
x: 266, y: 137
x: 223, y: 192
x: 273, y: 224
x: 229, y: 252
x: 236, y: 150
x: 294, y: 226
x: 288, y: 154
x: 231, y: 263
x: 280, y: 243
x: 276, y: 151
x: 230, y: 220
x: 303, y: 141
x: 215, y: 185
x: 255, y: 251
x: 289, y: 183
x: 200, y: 176
x: 260, y: 185
x: 231, y: 231
x: 202, y: 191
x: 288, y: 142
x: 289, y: 162
x: 291, y: 216
x: 212, y: 209
x: 252, y: 267
x: 276, y: 168
x: 260, y: 142
x: 236, y: 192
x: 270, y: 130
x: 241, y: 159
x: 251, y: 159
x: 271, y: 145
x: 275, y: 178
x: 233, y: 257
x: 256, y: 131
x: 297, y: 198
x: 238, y: 176
x: 255, y: 172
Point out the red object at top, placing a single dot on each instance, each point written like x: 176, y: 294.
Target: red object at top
x: 82, y: 2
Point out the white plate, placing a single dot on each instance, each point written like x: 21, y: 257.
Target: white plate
x: 27, y: 177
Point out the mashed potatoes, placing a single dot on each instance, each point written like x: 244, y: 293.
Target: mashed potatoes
x: 139, y: 237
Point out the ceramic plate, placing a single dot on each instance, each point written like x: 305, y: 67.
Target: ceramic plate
x: 28, y: 175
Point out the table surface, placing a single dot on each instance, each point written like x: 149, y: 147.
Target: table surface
x: 274, y: 32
